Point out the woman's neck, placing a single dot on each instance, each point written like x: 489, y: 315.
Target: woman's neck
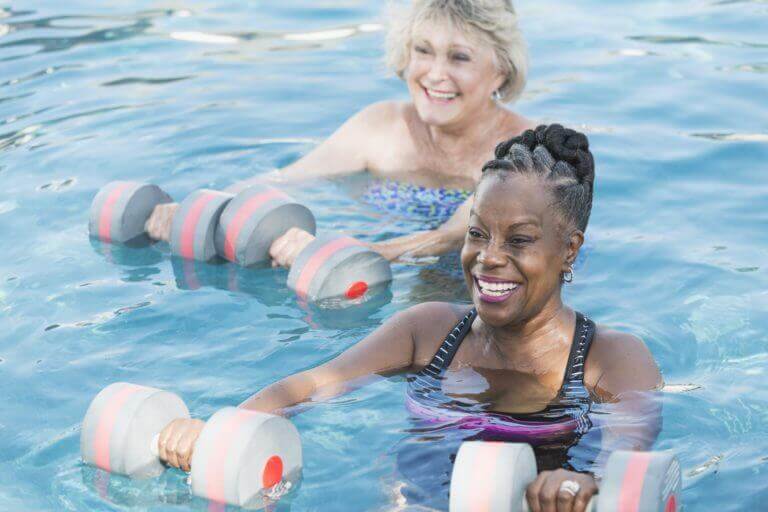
x: 470, y: 133
x: 533, y: 340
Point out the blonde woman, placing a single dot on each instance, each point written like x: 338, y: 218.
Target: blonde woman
x: 462, y: 61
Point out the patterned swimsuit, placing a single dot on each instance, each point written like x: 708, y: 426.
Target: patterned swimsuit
x: 415, y: 201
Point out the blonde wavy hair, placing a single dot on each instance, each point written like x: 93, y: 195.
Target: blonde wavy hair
x: 493, y: 22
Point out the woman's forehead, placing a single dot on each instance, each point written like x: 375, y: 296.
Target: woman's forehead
x: 513, y: 198
x: 445, y: 32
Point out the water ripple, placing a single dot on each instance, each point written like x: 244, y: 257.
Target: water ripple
x: 313, y: 36
x: 56, y: 44
x: 146, y: 81
x: 37, y: 74
x: 748, y: 68
x: 694, y: 40
x: 733, y: 137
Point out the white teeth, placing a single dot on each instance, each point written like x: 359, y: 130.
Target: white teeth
x: 441, y: 95
x: 495, y: 288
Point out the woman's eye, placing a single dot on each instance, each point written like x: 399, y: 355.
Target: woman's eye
x: 461, y: 57
x: 475, y: 233
x: 519, y: 240
x: 420, y: 49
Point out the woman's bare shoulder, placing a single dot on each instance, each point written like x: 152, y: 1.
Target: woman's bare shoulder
x: 384, y: 112
x: 619, y: 362
x: 430, y: 323
x: 514, y: 124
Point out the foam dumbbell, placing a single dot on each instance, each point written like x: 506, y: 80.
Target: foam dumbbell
x: 120, y: 210
x: 493, y: 477
x: 337, y: 267
x: 241, y: 457
x: 120, y: 425
x: 254, y: 219
x: 194, y: 224
x: 246, y: 458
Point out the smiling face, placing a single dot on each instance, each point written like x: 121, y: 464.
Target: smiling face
x: 516, y: 249
x: 450, y: 76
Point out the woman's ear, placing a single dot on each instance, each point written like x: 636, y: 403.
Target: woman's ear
x: 575, y: 241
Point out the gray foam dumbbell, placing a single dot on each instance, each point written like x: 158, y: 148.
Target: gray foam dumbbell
x: 254, y: 219
x: 244, y: 458
x: 194, y: 225
x: 337, y: 268
x: 120, y: 425
x: 120, y: 210
x: 493, y: 477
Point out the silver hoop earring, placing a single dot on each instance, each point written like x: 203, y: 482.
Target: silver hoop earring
x: 496, y: 95
x: 568, y: 275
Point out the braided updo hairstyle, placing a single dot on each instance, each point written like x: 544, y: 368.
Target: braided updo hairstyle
x: 558, y: 155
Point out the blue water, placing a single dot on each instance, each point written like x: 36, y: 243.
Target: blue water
x: 672, y: 93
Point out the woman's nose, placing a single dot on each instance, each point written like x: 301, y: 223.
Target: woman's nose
x: 491, y: 256
x: 438, y: 70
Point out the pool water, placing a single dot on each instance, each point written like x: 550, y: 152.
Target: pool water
x: 195, y: 93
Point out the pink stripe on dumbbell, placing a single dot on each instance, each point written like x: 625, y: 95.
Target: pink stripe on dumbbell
x: 632, y: 484
x: 486, y: 460
x: 241, y: 216
x: 317, y: 260
x: 103, y: 435
x: 105, y: 218
x: 215, y: 471
x: 189, y: 227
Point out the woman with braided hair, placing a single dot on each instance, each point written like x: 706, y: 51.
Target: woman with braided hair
x: 517, y: 364
x: 461, y: 60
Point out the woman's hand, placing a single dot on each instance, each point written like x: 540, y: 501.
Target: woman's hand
x: 177, y: 442
x: 285, y: 249
x: 388, y: 249
x: 158, y: 226
x: 547, y: 493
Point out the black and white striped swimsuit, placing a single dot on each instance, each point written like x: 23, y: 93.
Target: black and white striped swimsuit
x: 564, y: 416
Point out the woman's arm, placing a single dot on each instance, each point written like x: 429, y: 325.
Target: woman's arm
x: 627, y: 380
x: 448, y: 237
x: 621, y: 372
x: 347, y: 150
x: 389, y: 349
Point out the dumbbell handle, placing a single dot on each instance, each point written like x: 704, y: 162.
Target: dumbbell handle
x: 591, y: 506
x: 154, y: 446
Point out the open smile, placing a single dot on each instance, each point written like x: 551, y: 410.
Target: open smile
x: 492, y: 289
x: 440, y: 96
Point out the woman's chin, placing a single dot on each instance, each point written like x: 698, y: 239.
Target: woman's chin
x: 436, y: 116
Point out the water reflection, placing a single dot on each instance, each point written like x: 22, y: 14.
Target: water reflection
x: 268, y: 286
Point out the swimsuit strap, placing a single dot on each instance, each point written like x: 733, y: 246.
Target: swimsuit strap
x: 450, y: 345
x: 583, y: 335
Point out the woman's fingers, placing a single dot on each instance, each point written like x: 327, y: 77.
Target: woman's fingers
x: 177, y: 442
x: 548, y: 493
x: 588, y: 489
x: 286, y: 249
x: 158, y: 226
x: 186, y: 444
x: 533, y: 490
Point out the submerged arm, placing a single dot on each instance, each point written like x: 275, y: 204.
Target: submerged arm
x: 629, y: 417
x: 448, y: 237
x: 347, y: 151
x: 387, y: 350
x: 624, y: 377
